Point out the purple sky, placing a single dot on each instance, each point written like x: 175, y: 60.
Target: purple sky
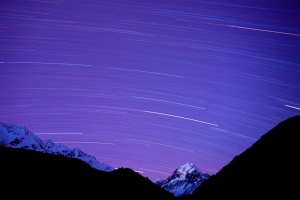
x: 150, y: 85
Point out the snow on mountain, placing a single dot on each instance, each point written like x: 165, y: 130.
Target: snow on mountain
x: 183, y: 181
x: 20, y: 137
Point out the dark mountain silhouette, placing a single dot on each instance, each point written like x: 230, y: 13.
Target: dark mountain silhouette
x: 35, y: 175
x: 268, y: 169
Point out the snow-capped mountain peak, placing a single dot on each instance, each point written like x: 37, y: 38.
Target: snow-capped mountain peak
x: 183, y: 170
x: 184, y: 180
x: 20, y: 137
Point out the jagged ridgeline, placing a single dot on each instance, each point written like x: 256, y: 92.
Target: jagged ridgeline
x: 268, y: 169
x: 31, y: 168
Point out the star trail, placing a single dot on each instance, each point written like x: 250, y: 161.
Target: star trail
x: 150, y: 85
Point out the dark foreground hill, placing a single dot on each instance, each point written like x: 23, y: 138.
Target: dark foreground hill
x: 33, y: 175
x: 269, y: 169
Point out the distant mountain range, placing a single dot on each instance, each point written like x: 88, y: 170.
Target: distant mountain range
x: 20, y: 137
x: 268, y: 169
x: 183, y: 180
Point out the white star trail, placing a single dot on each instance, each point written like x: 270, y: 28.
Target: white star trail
x: 148, y: 72
x: 180, y: 117
x: 159, y: 100
x: 60, y: 133
x: 292, y: 107
x: 101, y: 143
x: 152, y: 83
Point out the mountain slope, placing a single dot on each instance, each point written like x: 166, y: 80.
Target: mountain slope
x: 268, y: 169
x: 19, y: 137
x: 35, y: 175
x: 183, y: 180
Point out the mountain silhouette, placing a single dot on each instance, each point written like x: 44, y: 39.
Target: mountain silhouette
x: 36, y: 175
x: 268, y: 169
x: 20, y: 137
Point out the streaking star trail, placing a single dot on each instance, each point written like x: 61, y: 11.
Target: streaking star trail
x: 150, y: 85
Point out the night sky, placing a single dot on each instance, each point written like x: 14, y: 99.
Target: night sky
x: 150, y: 85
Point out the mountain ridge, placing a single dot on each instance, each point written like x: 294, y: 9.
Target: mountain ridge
x: 267, y: 169
x: 20, y: 137
x: 32, y: 174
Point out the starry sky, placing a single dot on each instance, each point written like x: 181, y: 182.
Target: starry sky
x: 150, y: 85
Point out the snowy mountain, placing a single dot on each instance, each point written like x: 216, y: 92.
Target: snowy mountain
x: 184, y: 180
x: 20, y: 137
